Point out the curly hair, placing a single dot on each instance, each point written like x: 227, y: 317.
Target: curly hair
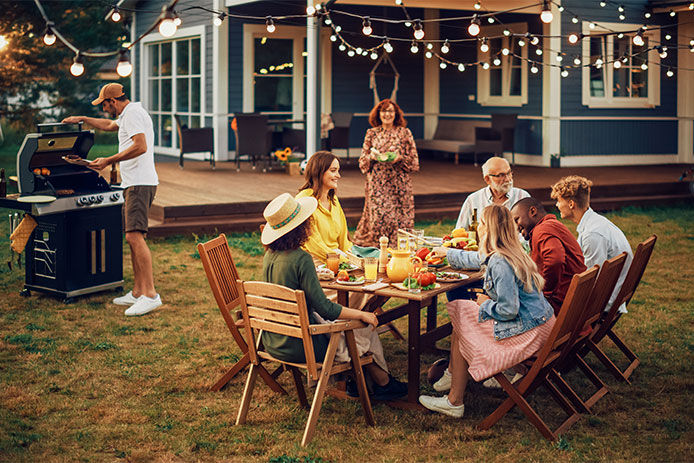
x: 375, y: 114
x: 575, y: 188
x: 317, y: 166
x: 293, y: 239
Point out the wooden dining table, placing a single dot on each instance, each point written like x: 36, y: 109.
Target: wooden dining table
x: 418, y: 340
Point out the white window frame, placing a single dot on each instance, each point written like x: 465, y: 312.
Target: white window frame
x: 609, y: 100
x: 297, y: 34
x: 505, y: 99
x: 155, y: 37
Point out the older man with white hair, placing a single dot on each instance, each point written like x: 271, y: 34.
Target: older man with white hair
x: 498, y: 176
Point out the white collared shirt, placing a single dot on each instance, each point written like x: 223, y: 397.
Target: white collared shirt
x: 483, y: 198
x: 139, y: 170
x: 600, y: 240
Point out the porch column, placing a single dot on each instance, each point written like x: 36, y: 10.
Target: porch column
x: 551, y: 88
x: 685, y: 89
x: 220, y: 80
x: 312, y: 84
x: 431, y: 76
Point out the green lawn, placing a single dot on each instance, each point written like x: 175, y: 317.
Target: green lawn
x: 82, y: 382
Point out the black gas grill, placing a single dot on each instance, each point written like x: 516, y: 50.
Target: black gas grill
x: 77, y: 246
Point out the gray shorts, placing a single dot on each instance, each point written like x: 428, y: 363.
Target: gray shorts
x: 138, y: 199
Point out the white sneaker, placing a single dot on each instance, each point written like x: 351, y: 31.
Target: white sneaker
x: 444, y: 382
x: 492, y: 383
x: 126, y: 299
x: 143, y: 305
x: 442, y: 405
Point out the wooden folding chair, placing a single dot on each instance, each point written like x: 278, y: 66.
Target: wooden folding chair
x: 569, y: 358
x: 222, y: 275
x: 574, y: 304
x: 605, y: 327
x: 278, y: 309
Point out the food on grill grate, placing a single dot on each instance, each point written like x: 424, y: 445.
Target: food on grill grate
x: 65, y: 192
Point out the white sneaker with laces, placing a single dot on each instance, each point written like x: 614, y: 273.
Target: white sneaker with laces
x: 444, y: 383
x: 126, y: 299
x: 442, y: 405
x: 492, y: 383
x: 143, y: 305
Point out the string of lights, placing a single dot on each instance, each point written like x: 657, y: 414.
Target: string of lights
x: 169, y: 19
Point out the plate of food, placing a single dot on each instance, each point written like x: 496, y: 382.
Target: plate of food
x: 77, y: 160
x: 450, y: 277
x: 352, y: 281
x: 348, y: 266
x: 404, y: 286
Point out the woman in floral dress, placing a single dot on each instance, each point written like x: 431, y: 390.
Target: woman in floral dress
x: 388, y: 198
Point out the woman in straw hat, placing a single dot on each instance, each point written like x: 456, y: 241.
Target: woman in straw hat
x: 285, y: 263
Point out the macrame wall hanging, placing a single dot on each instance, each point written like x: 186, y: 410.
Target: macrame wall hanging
x: 385, y: 57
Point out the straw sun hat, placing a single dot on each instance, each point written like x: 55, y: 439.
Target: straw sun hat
x: 284, y: 213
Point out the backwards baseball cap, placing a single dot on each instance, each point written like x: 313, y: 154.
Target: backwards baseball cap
x: 112, y: 90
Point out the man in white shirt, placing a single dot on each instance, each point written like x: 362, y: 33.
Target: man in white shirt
x: 599, y: 238
x: 139, y: 181
x: 498, y: 176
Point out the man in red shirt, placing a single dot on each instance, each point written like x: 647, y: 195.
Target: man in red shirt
x: 554, y: 249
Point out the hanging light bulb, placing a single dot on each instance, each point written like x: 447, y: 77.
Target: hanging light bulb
x: 77, y: 68
x: 669, y: 73
x: 428, y: 54
x: 564, y: 72
x: 644, y: 66
x: 622, y: 17
x: 461, y: 67
x: 445, y: 48
x: 691, y: 6
x: 398, y: 2
x: 408, y: 24
x: 662, y: 52
x: 484, y: 48
x: 342, y: 47
x: 167, y: 28
x: 638, y: 39
x: 477, y: 5
x: 49, y: 36
x: 598, y: 62
x: 672, y: 13
x: 490, y: 19
x: 573, y: 39
x: 577, y: 61
x: 546, y: 15
x: 474, y: 28
x: 333, y: 38
x: 521, y: 42
x: 647, y: 15
x: 617, y: 64
x: 507, y: 32
x: 485, y: 65
x: 620, y: 8
x: 620, y: 35
x: 418, y: 31
x: 603, y: 4
x: 560, y: 8
x: 124, y: 68
x: 505, y: 51
x: 574, y: 20
x: 374, y: 55
x: 177, y: 20
x: 625, y: 59
x: 535, y: 40
x: 591, y: 25
x: 560, y: 58
x: 115, y: 16
x: 328, y: 21
x: 387, y: 46
x: 430, y: 46
x: 668, y: 36
x: 219, y: 19
x: 366, y: 28
x: 414, y: 48
x: 538, y: 51
x: 364, y: 53
x: 270, y: 26
x: 496, y: 61
x: 350, y: 53
x: 534, y: 69
x: 443, y: 65
x: 359, y: 50
x: 310, y: 10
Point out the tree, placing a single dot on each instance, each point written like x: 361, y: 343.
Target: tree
x: 35, y: 77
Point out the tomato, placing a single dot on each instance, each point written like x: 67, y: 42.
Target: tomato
x: 426, y: 278
x: 423, y: 253
x: 342, y: 275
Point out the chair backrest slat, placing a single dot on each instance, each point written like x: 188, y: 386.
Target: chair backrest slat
x: 603, y: 289
x: 272, y: 327
x: 270, y: 303
x: 573, y: 308
x: 273, y: 315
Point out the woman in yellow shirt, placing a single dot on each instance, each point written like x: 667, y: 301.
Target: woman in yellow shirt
x: 329, y: 227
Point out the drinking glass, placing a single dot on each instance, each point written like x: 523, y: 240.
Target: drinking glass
x: 403, y: 241
x: 333, y: 262
x: 412, y: 274
x: 370, y: 268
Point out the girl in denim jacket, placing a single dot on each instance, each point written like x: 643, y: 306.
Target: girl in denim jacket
x: 503, y: 327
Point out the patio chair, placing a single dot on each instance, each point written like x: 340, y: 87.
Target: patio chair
x: 497, y: 139
x: 198, y: 140
x: 605, y: 327
x: 570, y: 358
x: 222, y: 275
x: 338, y: 137
x: 574, y: 304
x: 253, y: 139
x: 278, y: 309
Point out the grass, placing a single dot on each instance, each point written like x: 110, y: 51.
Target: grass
x: 81, y: 382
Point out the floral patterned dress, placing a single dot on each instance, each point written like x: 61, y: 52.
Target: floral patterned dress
x: 388, y: 198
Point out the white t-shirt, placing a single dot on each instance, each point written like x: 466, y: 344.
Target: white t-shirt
x: 140, y: 170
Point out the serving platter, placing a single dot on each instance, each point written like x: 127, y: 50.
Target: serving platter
x: 350, y: 283
x: 450, y: 277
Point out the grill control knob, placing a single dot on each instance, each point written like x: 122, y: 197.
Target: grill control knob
x: 115, y: 197
x: 99, y: 199
x: 92, y: 199
x: 78, y: 202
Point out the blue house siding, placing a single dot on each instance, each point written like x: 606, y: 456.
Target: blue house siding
x: 619, y: 137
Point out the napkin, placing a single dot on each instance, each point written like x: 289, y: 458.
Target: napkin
x: 365, y: 251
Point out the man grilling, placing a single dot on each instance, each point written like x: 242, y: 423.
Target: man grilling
x: 139, y: 181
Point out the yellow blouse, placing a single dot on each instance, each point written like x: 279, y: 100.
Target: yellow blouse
x: 328, y: 231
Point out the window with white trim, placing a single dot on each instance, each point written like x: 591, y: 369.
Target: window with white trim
x: 505, y: 82
x: 621, y: 74
x: 174, y: 86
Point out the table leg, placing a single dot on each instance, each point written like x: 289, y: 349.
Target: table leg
x: 343, y: 298
x: 413, y: 330
x: 431, y: 314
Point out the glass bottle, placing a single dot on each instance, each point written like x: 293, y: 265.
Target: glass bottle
x: 114, y: 174
x: 472, y: 229
x: 3, y: 184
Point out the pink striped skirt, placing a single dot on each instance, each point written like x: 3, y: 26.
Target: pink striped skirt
x: 485, y: 355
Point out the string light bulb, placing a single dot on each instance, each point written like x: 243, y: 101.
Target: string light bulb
x: 418, y: 31
x: 546, y: 15
x: 534, y: 69
x: 342, y: 47
x: 310, y: 10
x: 620, y: 8
x: 366, y: 28
x: 428, y: 54
x: 505, y: 51
x: 538, y: 51
x: 691, y: 6
x: 620, y: 35
x: 461, y: 67
x: 564, y: 72
x: 414, y: 48
x: 497, y: 61
x: 387, y: 46
x: 490, y: 19
x: 573, y: 39
x: 484, y: 48
x: 374, y: 55
x: 560, y: 58
x: 662, y: 51
x: 644, y: 66
x: 507, y: 32
x: 647, y: 15
x: 116, y: 16
x: 577, y: 61
x: 592, y: 25
x: 49, y: 36
x: 574, y: 20
x: 668, y: 36
x: 638, y: 39
x: 350, y: 53
x: 333, y: 38
x: 177, y: 20
x: 669, y: 73
x: 617, y: 64
x: 219, y: 19
x: 485, y: 65
x: 474, y: 28
x: 443, y: 65
x: 124, y: 68
x: 535, y: 40
x: 398, y: 2
x: 603, y: 4
x: 167, y: 28
x: 445, y: 48
x: 477, y: 5
x: 77, y: 68
x: 672, y: 13
x: 270, y: 26
x: 622, y: 17
x: 521, y: 42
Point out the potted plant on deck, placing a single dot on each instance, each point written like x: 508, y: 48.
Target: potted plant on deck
x: 289, y: 160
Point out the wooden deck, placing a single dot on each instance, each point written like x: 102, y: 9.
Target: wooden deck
x: 201, y: 200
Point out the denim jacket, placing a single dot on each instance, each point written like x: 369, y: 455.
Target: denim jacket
x: 513, y: 310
